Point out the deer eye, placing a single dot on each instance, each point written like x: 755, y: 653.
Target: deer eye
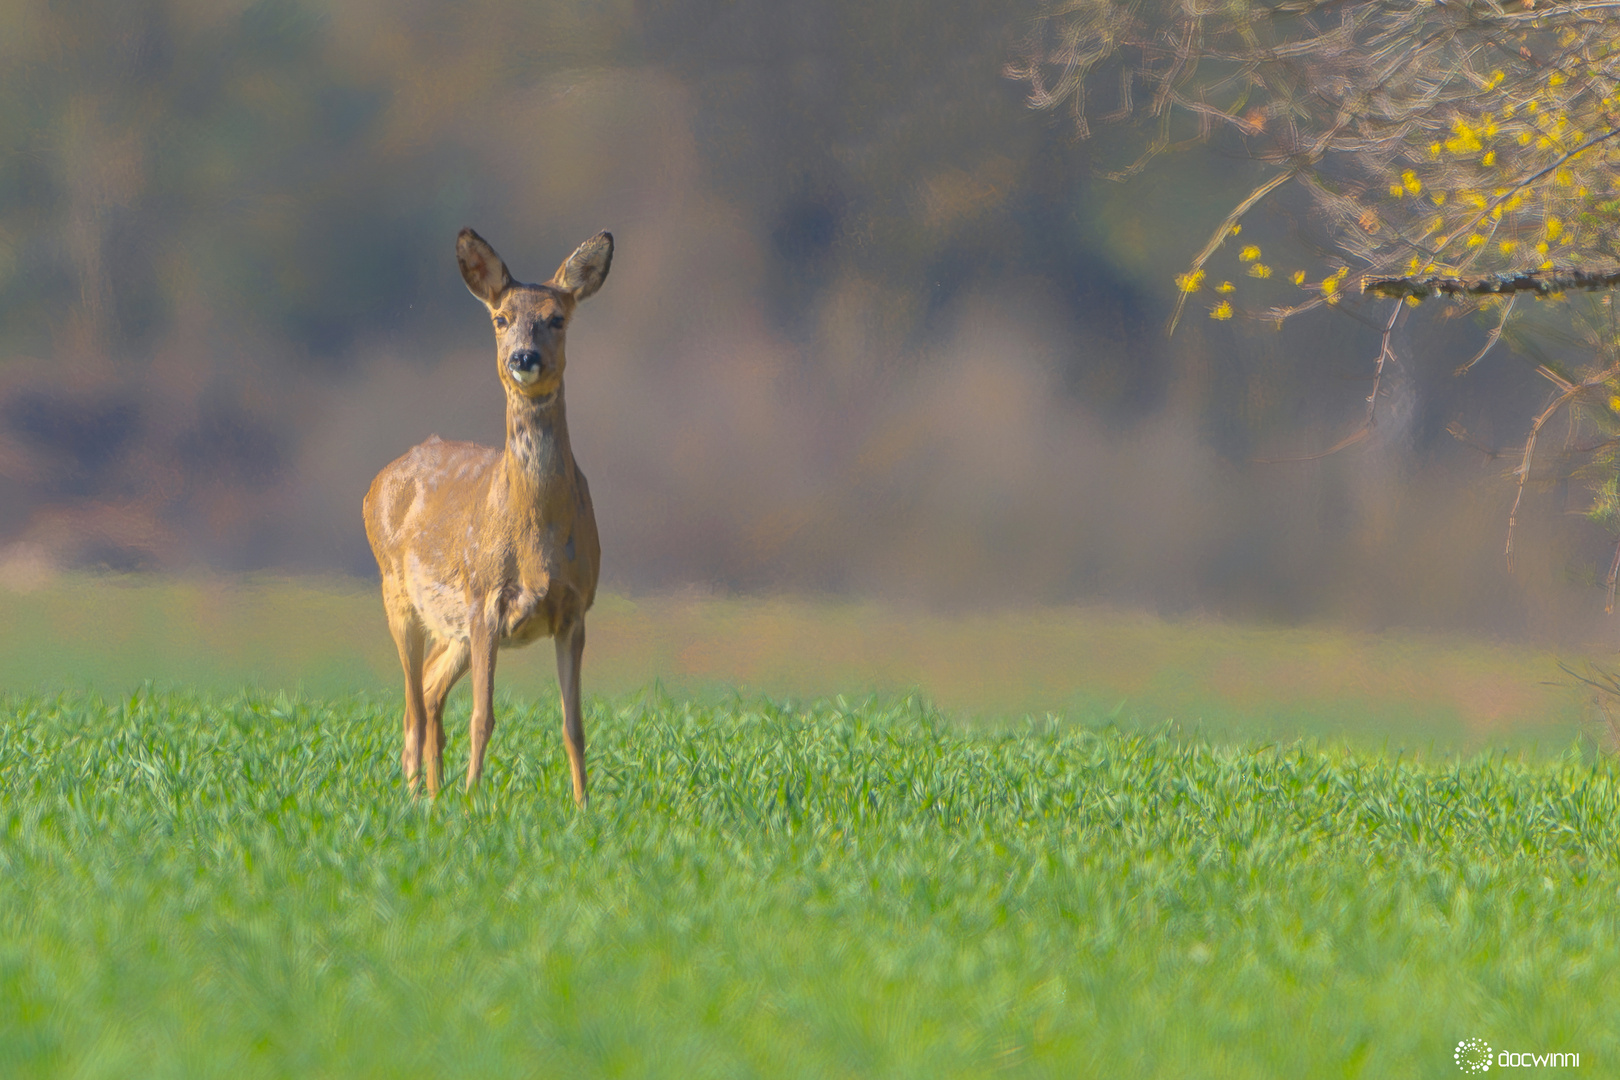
x: 500, y: 322
x: 555, y: 322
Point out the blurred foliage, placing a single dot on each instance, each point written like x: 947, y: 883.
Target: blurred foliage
x: 209, y: 212
x: 286, y: 162
x: 202, y: 208
x: 883, y: 160
x: 877, y: 327
x: 266, y: 162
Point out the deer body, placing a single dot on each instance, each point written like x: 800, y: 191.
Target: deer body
x: 482, y: 548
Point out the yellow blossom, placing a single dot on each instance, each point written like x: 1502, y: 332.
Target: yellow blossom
x: 1410, y: 181
x: 1489, y: 158
x: 1250, y: 253
x: 1541, y: 248
x: 1413, y: 301
x: 1299, y: 277
x: 1225, y: 287
x: 1439, y: 198
x: 1434, y: 149
x: 1555, y: 227
x: 1396, y: 190
x: 1475, y: 240
x: 1466, y: 141
x: 1507, y: 246
x: 1260, y: 270
x: 1236, y: 229
x: 1190, y: 282
x: 1222, y: 310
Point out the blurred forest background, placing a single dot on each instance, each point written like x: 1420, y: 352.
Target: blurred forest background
x: 875, y: 328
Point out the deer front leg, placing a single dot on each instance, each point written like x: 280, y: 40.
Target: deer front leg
x: 570, y: 651
x: 445, y: 664
x: 483, y: 642
x: 408, y: 636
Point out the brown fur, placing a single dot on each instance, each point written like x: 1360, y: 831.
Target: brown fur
x: 482, y: 548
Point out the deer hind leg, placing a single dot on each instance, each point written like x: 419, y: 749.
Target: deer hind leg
x: 570, y: 651
x: 445, y: 665
x: 482, y: 643
x: 410, y: 639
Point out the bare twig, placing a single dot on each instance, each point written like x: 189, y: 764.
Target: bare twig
x: 1348, y: 441
x: 1460, y: 433
x: 1568, y: 392
x: 1493, y: 337
x: 1614, y: 575
x: 1383, y: 355
x: 1369, y: 421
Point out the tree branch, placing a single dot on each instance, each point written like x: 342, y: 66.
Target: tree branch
x: 1542, y: 282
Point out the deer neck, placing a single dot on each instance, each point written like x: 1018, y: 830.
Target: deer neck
x: 538, y: 463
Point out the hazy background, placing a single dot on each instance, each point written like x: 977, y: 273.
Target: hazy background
x: 874, y: 328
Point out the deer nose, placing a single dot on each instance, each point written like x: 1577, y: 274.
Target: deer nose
x: 523, y: 360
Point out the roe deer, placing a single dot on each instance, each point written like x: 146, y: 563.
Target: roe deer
x: 481, y: 548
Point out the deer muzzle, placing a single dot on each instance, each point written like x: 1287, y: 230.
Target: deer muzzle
x: 525, y: 365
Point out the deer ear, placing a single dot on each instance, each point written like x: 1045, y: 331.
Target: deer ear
x: 585, y: 270
x: 483, y: 271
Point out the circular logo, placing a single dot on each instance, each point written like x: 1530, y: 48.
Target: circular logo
x: 1473, y: 1056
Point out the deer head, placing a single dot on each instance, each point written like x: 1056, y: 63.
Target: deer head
x: 531, y: 321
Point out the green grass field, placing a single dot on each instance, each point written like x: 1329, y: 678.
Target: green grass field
x: 200, y: 881
x: 236, y: 887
